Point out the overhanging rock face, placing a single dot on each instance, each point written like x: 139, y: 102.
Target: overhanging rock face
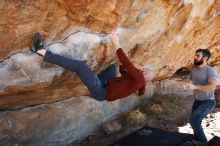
x: 162, y: 33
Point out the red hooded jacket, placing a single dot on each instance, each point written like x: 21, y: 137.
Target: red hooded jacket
x: 131, y: 80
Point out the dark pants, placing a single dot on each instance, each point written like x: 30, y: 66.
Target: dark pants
x: 95, y: 84
x: 200, y: 110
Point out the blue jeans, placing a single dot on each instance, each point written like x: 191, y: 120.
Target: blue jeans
x: 200, y: 110
x: 96, y: 84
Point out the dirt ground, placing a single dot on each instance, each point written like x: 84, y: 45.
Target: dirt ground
x: 167, y: 112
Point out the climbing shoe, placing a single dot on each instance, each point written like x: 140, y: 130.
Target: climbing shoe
x: 37, y: 43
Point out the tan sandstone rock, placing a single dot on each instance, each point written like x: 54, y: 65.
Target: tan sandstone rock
x: 162, y: 33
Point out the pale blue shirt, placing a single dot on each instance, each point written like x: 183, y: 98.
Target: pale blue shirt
x: 200, y: 76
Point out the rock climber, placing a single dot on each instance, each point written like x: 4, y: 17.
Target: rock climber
x: 104, y: 86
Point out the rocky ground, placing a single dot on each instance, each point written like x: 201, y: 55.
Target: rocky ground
x: 168, y: 112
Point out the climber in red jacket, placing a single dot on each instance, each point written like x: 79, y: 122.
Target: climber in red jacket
x: 104, y: 86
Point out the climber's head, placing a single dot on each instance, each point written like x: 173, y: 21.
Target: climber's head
x: 148, y: 73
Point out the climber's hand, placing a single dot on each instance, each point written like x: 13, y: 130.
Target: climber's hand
x: 115, y: 40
